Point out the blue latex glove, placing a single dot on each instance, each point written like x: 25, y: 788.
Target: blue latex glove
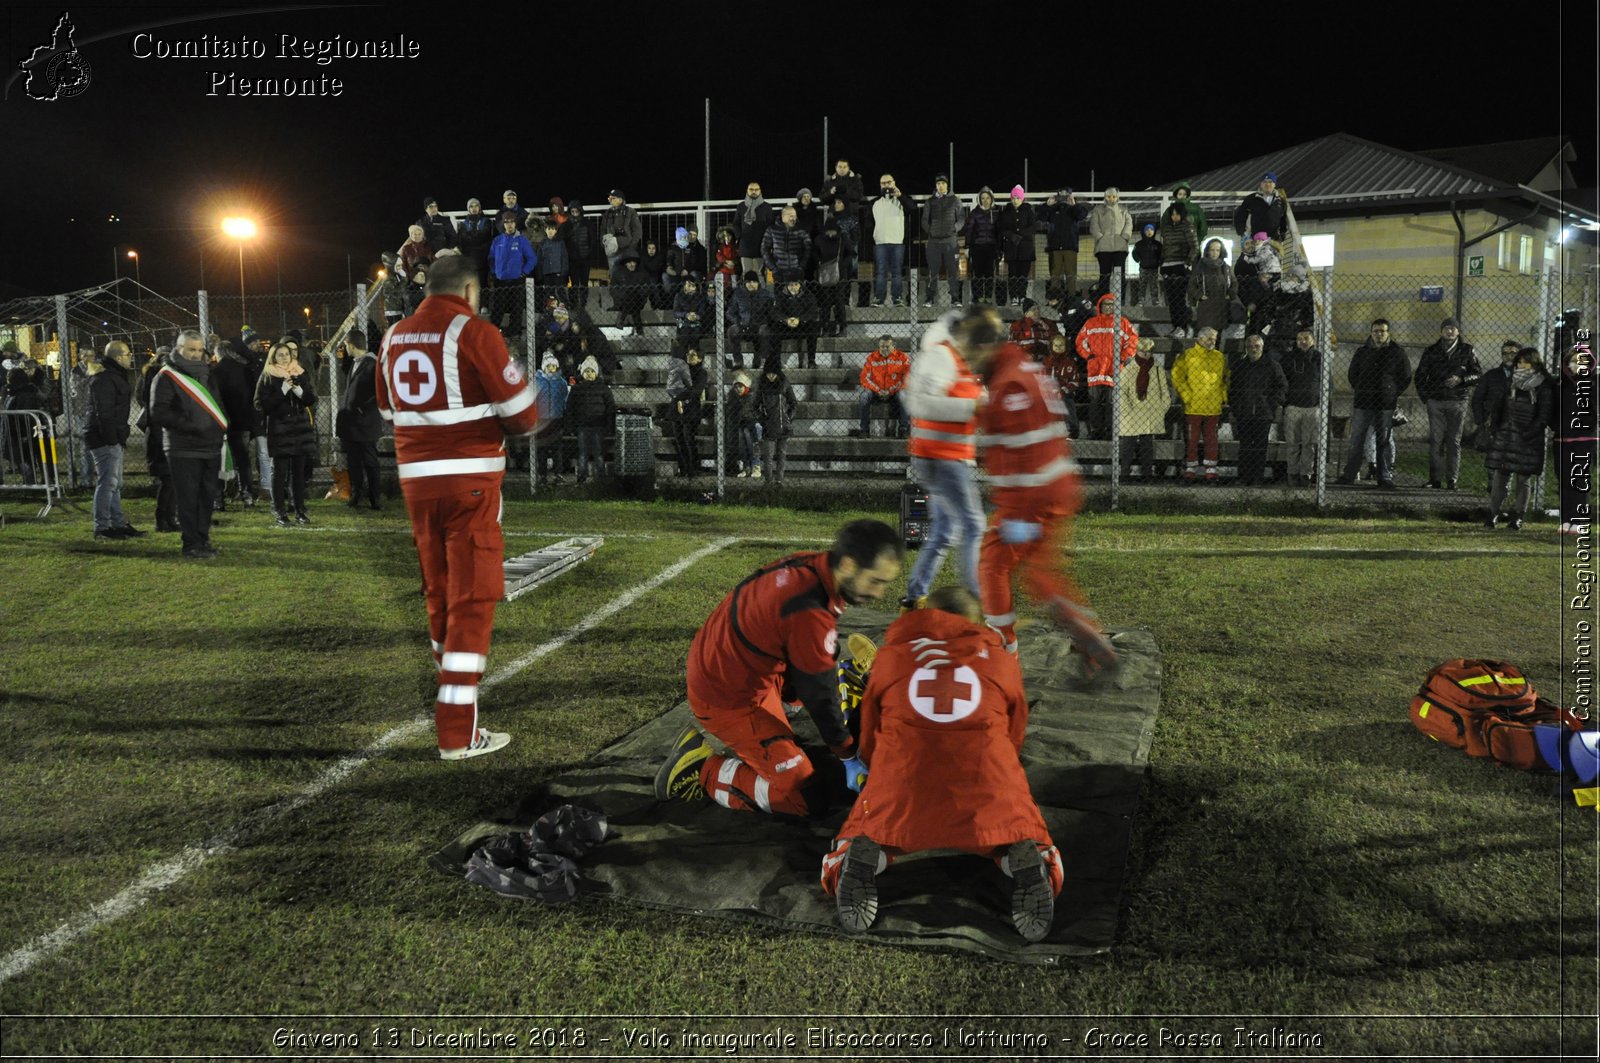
x: 1013, y: 532
x: 855, y: 773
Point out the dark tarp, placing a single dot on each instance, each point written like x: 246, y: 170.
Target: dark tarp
x: 1085, y: 755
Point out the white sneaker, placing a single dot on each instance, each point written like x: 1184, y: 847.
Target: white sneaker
x: 755, y: 473
x: 485, y: 742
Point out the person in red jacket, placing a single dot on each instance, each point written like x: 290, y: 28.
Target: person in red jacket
x: 942, y: 724
x: 883, y: 377
x: 1036, y: 493
x: 776, y: 633
x: 448, y: 384
x: 1101, y: 338
x: 1033, y: 332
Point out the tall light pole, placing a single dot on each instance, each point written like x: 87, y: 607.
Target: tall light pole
x: 137, y: 279
x: 240, y: 229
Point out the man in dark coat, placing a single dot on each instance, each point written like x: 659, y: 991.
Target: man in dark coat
x: 1063, y: 214
x: 106, y: 437
x: 193, y: 426
x: 1263, y: 211
x: 751, y: 219
x: 439, y: 229
x: 474, y: 233
x: 1446, y: 374
x: 1256, y: 388
x: 363, y: 425
x: 233, y: 382
x: 1379, y: 372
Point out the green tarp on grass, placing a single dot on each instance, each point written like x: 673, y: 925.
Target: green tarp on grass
x: 1085, y: 756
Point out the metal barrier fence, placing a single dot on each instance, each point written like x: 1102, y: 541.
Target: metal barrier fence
x: 28, y: 456
x: 633, y: 330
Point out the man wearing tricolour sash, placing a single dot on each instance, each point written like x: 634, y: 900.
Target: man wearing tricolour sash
x: 193, y: 427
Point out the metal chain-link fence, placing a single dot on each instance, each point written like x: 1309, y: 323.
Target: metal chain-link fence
x: 830, y: 412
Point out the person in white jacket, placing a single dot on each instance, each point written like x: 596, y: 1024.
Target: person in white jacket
x: 943, y: 394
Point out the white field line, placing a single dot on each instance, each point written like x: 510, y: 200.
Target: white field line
x: 173, y: 870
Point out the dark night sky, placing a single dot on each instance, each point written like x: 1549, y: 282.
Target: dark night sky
x: 531, y: 97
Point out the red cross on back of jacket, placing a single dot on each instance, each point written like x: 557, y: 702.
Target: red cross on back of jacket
x: 451, y: 389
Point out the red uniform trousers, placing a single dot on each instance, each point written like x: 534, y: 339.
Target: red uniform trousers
x: 767, y: 769
x: 1044, y: 569
x: 462, y: 553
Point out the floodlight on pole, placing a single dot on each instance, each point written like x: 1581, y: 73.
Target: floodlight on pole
x: 136, y: 277
x: 240, y: 229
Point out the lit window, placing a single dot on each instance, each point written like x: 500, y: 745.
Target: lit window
x: 1525, y: 255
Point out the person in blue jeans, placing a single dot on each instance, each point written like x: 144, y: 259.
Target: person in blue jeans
x: 106, y: 434
x: 889, y: 241
x: 943, y: 392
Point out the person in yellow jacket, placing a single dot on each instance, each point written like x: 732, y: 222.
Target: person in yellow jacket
x: 1200, y: 377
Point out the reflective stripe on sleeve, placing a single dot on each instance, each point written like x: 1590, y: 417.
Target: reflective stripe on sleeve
x: 452, y: 467
x: 516, y: 404
x: 761, y: 794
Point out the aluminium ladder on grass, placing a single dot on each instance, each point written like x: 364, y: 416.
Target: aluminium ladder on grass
x: 528, y: 570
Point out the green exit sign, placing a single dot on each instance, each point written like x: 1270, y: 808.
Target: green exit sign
x: 1474, y: 265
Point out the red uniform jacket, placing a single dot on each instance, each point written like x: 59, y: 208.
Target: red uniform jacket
x: 449, y: 385
x: 1033, y: 335
x: 782, y: 618
x: 1026, y: 452
x: 1097, y: 344
x: 942, y: 723
x: 885, y: 374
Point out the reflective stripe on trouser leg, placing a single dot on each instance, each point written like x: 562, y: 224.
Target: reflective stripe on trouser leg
x: 462, y: 665
x: 996, y: 563
x: 733, y: 784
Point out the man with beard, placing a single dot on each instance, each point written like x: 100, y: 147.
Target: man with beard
x: 776, y: 631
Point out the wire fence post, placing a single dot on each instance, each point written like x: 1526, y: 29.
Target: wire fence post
x: 1324, y: 334
x: 718, y: 301
x: 203, y: 301
x: 1549, y: 313
x: 530, y: 314
x: 1117, y: 323
x: 64, y: 371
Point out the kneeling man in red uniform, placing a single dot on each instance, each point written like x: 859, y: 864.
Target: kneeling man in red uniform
x: 942, y: 723
x: 777, y: 630
x: 447, y: 382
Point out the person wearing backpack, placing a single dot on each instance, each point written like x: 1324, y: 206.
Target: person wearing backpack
x: 1516, y: 438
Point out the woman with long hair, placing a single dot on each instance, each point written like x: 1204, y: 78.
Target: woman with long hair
x: 285, y: 395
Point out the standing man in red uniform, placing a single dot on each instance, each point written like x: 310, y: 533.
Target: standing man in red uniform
x: 776, y: 630
x: 1036, y: 493
x: 942, y: 723
x: 447, y: 382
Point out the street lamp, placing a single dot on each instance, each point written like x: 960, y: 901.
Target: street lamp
x: 136, y: 278
x: 240, y: 229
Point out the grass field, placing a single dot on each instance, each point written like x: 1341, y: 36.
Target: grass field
x: 1302, y: 858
